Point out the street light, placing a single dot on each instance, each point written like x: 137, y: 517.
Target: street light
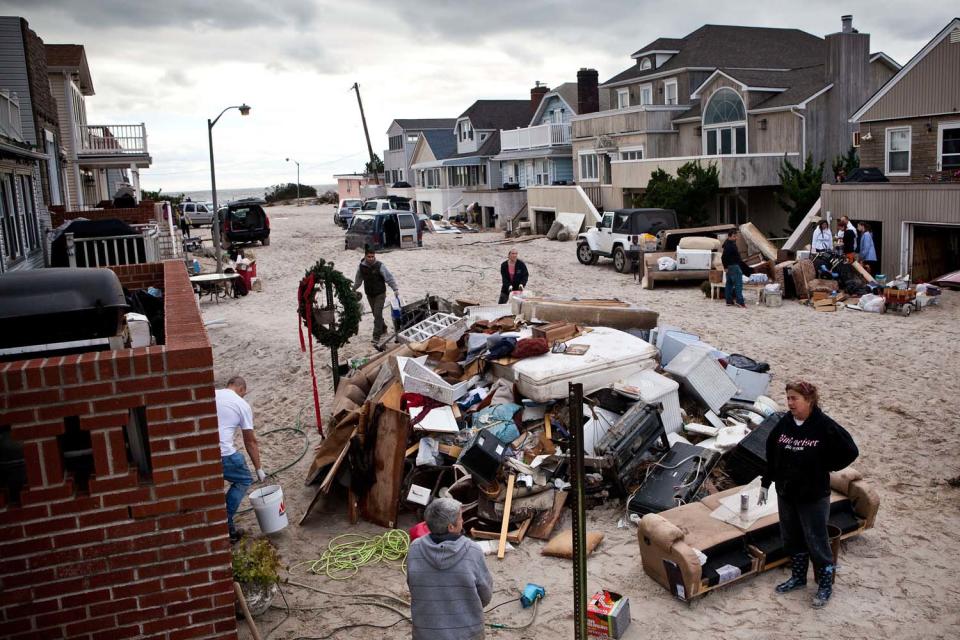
x: 244, y: 111
x: 298, y: 179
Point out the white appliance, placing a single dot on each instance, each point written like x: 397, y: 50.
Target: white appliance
x: 694, y: 259
x: 750, y: 384
x: 702, y: 376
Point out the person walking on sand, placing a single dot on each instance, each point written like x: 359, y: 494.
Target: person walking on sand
x: 513, y: 276
x: 374, y: 276
x: 735, y: 268
x: 802, y: 449
x: 234, y: 414
x: 448, y: 578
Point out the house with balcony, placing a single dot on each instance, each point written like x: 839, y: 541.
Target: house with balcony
x: 402, y: 137
x: 99, y: 158
x: 740, y: 98
x: 432, y: 191
x: 470, y: 177
x: 910, y: 131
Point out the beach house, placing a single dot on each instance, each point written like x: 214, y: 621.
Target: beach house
x: 739, y: 98
x: 402, y: 137
x: 98, y: 157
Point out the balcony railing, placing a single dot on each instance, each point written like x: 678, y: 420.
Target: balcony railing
x: 630, y: 120
x: 745, y: 170
x: 112, y: 139
x: 544, y: 135
x: 10, y: 115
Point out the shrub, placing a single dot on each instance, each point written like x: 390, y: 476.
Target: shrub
x: 255, y: 562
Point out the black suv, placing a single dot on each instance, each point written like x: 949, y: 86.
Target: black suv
x: 245, y: 221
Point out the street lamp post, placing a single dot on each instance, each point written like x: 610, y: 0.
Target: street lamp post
x: 244, y: 110
x: 298, y: 178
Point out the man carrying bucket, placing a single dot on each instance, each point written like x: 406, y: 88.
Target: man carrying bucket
x: 234, y: 414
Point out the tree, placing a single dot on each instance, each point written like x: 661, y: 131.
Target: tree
x: 800, y: 189
x: 846, y: 163
x: 289, y: 192
x: 688, y: 193
x: 156, y: 196
x: 376, y: 163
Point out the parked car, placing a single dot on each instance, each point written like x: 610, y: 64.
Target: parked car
x: 390, y: 203
x: 384, y: 230
x: 245, y: 221
x: 345, y: 211
x: 197, y: 213
x: 619, y: 231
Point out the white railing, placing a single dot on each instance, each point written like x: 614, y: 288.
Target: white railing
x: 112, y: 139
x: 110, y: 251
x: 544, y: 135
x: 10, y: 124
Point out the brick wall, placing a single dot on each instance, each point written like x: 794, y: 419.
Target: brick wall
x: 135, y: 555
x: 141, y: 276
x: 142, y: 214
x: 923, y: 146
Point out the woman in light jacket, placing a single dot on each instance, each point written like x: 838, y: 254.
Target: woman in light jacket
x: 867, y: 252
x: 822, y: 238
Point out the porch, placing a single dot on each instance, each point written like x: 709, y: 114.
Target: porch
x: 109, y: 156
x: 536, y: 137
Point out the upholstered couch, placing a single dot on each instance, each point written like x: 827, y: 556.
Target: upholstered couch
x: 668, y: 540
x: 651, y: 273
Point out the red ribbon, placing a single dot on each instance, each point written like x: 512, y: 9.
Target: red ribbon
x: 306, y: 299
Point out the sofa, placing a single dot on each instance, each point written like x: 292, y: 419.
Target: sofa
x: 668, y: 540
x: 651, y: 273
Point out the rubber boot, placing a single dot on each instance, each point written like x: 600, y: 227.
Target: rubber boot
x: 824, y: 586
x: 798, y: 577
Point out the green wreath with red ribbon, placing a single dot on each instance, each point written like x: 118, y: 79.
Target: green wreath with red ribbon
x: 348, y: 311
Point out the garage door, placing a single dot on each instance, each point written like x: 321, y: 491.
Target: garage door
x: 936, y: 251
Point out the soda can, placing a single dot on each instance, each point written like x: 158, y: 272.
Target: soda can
x: 744, y: 502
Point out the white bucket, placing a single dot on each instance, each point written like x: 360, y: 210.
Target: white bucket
x: 269, y: 507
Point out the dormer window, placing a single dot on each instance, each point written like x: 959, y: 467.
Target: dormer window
x: 724, y: 124
x: 464, y: 131
x: 645, y: 64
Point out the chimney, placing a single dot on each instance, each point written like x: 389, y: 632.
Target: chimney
x: 847, y: 24
x: 588, y: 94
x: 536, y: 96
x: 847, y: 68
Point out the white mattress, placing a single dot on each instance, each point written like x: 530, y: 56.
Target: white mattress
x: 612, y: 355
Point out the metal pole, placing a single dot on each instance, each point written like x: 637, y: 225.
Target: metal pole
x: 216, y: 207
x: 334, y: 353
x: 575, y: 407
x: 298, y: 183
x: 376, y: 174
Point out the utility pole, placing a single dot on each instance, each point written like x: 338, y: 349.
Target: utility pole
x: 363, y: 118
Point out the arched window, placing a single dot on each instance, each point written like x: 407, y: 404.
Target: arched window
x: 724, y: 124
x: 645, y: 64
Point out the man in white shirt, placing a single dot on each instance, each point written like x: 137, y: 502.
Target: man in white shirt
x: 234, y: 414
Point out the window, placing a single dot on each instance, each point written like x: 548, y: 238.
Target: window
x: 29, y: 213
x: 623, y: 98
x: 541, y: 167
x: 646, y: 94
x: 948, y: 146
x: 413, y: 137
x: 396, y: 143
x: 645, y: 64
x: 670, y: 91
x: 631, y: 154
x: 724, y: 124
x: 401, y: 175
x: 898, y: 151
x: 12, y: 231
x: 589, y: 169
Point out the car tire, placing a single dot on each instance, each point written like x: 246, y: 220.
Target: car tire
x: 585, y: 255
x: 620, y: 260
x: 265, y: 242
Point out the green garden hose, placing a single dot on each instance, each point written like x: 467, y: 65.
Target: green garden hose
x: 343, y: 560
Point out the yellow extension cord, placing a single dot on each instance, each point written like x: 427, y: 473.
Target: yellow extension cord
x: 343, y: 560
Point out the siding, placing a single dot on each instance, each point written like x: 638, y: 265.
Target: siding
x: 71, y: 188
x: 923, y: 146
x: 880, y: 73
x: 553, y: 102
x: 781, y: 135
x: 931, y: 87
x: 891, y: 205
x: 13, y: 73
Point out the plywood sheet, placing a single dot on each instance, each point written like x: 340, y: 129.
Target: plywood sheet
x: 382, y: 501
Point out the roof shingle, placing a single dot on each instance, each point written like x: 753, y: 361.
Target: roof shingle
x: 498, y: 114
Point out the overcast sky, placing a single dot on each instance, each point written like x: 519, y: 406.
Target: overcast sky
x: 174, y: 63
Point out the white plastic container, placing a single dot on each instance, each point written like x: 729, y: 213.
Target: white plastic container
x: 703, y: 376
x: 694, y: 259
x: 269, y: 508
x: 612, y: 355
x: 654, y: 388
x: 750, y: 384
x: 417, y: 378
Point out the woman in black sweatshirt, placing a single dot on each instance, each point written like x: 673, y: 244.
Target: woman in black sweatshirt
x: 802, y: 449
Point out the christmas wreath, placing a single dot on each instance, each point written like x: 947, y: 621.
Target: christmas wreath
x: 348, y: 310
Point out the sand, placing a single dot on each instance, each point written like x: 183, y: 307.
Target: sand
x: 891, y: 381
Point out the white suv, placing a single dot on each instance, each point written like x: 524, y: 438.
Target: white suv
x: 617, y: 235
x: 197, y: 213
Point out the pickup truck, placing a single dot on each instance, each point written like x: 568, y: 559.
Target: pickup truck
x: 617, y: 235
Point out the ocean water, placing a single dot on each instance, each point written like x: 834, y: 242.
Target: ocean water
x: 226, y: 195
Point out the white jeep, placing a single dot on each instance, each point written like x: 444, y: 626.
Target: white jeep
x: 617, y: 235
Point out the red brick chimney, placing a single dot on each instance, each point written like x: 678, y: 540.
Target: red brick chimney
x: 536, y: 96
x: 588, y: 93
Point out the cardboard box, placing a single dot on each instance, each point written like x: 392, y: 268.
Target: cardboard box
x: 826, y: 305
x: 608, y: 615
x: 555, y: 331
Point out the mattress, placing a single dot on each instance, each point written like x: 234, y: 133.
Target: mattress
x: 612, y: 355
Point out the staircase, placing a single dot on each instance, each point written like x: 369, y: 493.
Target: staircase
x: 519, y: 224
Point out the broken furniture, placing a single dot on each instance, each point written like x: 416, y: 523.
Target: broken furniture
x: 442, y: 325
x: 615, y: 314
x: 674, y: 479
x: 652, y: 273
x: 623, y: 446
x: 669, y: 541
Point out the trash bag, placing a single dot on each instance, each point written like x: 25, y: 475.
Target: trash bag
x: 666, y: 263
x: 741, y: 361
x: 872, y: 303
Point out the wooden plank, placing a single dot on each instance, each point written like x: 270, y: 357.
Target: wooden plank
x: 547, y: 431
x: 329, y: 450
x: 331, y: 474
x: 544, y: 523
x: 863, y: 272
x: 382, y: 501
x: 514, y: 537
x: 502, y: 547
x: 522, y: 531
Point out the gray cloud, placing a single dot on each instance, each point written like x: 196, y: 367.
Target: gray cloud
x: 176, y: 77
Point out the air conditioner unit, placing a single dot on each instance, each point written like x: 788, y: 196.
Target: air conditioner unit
x: 856, y: 138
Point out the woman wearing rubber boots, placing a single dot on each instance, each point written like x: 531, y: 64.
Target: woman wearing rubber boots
x: 802, y: 449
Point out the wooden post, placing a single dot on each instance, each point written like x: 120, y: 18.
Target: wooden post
x: 505, y: 525
x: 246, y: 611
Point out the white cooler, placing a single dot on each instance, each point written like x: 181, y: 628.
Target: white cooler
x: 694, y: 259
x: 612, y: 355
x: 655, y: 388
x: 703, y: 376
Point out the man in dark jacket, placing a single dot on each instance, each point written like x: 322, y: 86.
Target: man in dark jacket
x: 849, y: 234
x: 513, y: 275
x: 448, y: 578
x: 374, y: 276
x: 733, y: 264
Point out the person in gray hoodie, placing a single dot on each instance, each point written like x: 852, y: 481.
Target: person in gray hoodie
x: 448, y: 578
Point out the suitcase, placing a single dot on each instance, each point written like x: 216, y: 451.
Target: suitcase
x: 675, y: 480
